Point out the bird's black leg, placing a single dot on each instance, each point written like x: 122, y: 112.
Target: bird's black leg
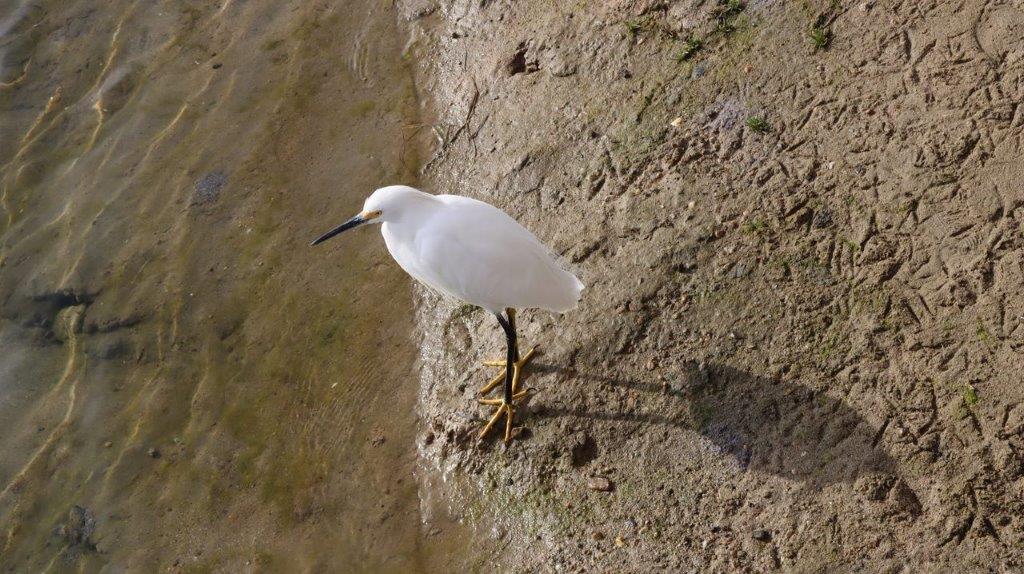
x: 506, y: 404
x: 508, y: 322
x: 510, y: 364
x: 511, y: 314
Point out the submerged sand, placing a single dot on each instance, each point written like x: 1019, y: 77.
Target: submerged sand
x: 186, y: 385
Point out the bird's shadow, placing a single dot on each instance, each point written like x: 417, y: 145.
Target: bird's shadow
x: 775, y: 426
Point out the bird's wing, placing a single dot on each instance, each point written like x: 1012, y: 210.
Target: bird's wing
x: 478, y: 253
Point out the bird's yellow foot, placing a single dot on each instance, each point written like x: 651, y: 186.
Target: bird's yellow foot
x: 508, y: 409
x: 517, y: 369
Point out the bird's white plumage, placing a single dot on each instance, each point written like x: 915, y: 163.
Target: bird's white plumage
x: 472, y: 251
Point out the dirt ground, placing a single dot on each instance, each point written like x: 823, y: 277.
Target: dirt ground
x: 799, y: 224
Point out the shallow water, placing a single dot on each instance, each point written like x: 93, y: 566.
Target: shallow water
x: 184, y: 383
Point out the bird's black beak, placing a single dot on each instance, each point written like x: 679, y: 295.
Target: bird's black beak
x: 354, y: 222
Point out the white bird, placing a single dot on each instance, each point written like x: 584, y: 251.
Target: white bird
x: 473, y: 251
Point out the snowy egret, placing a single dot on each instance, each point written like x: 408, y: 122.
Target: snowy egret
x: 473, y: 251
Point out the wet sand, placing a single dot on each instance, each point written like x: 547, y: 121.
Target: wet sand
x: 799, y: 227
x: 185, y: 384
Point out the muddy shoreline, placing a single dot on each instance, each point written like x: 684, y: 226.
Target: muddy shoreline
x: 799, y: 225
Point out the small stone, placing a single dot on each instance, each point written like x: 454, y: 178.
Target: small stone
x: 599, y: 483
x: 108, y: 444
x: 619, y: 542
x: 207, y: 189
x: 762, y: 535
x: 676, y: 122
x: 154, y: 453
x: 78, y: 530
x: 560, y: 67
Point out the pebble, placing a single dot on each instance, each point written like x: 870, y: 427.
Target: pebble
x: 762, y: 535
x: 599, y: 483
x: 561, y: 68
x: 108, y: 444
x: 207, y: 189
x: 154, y: 453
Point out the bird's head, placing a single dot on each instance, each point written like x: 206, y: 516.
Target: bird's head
x: 386, y: 204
